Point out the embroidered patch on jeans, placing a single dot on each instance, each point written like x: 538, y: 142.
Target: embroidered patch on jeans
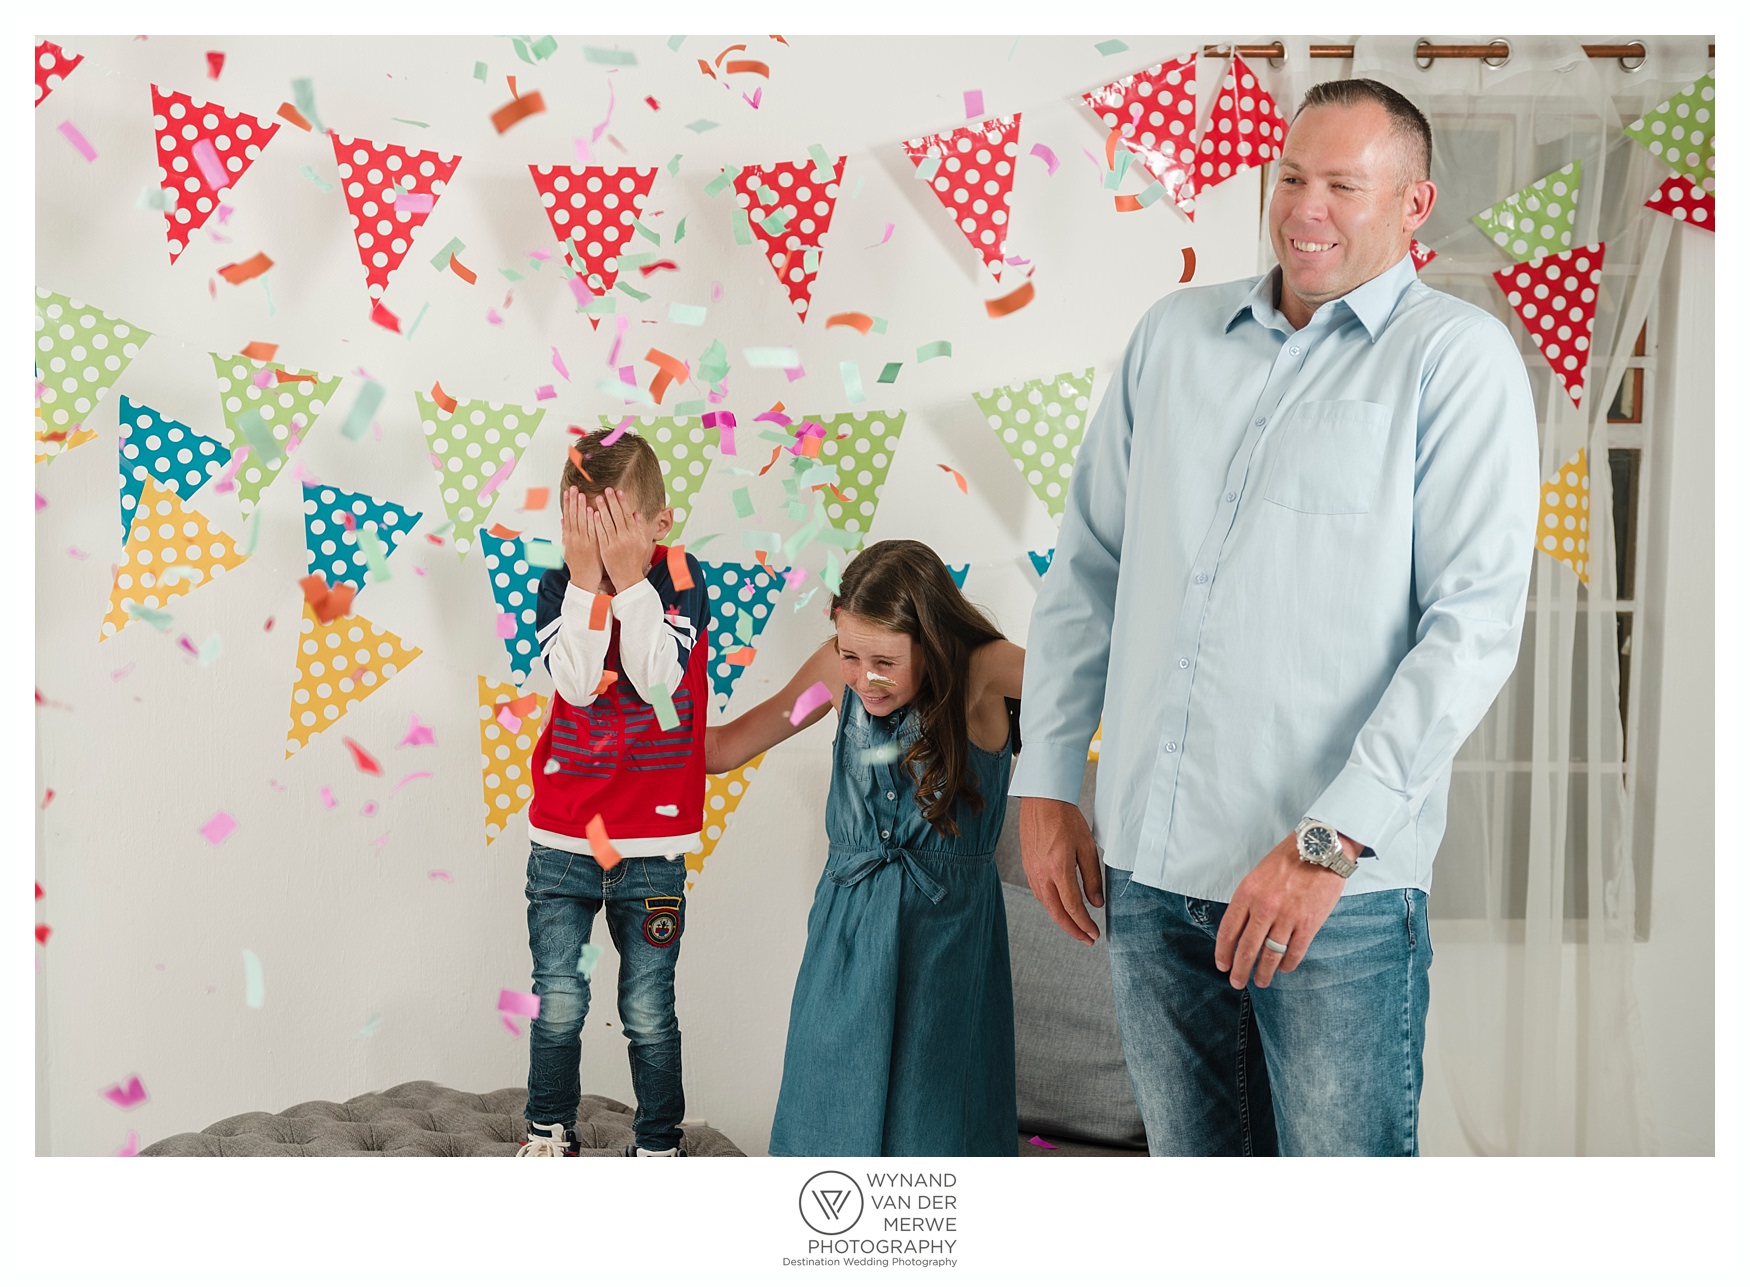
x: 662, y: 926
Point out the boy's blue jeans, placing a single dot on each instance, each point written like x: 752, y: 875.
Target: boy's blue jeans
x: 646, y: 905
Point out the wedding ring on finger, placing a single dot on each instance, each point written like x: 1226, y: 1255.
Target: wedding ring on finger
x: 1271, y: 945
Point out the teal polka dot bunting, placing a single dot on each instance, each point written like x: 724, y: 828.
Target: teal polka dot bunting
x: 958, y: 573
x: 1041, y: 561
x: 153, y: 445
x: 516, y: 585
x: 741, y: 597
x: 331, y: 548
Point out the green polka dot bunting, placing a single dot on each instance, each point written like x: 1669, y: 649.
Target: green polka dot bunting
x: 684, y: 448
x: 864, y: 455
x: 245, y: 385
x: 80, y: 352
x: 1680, y: 131
x: 1041, y: 422
x: 469, y: 446
x: 1537, y: 220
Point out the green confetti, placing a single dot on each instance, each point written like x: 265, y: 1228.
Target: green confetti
x: 153, y: 197
x: 633, y: 291
x: 259, y: 436
x: 716, y: 185
x: 823, y: 171
x: 304, y: 95
x: 252, y: 533
x: 480, y: 72
x: 1014, y: 47
x: 700, y: 126
x: 935, y: 349
x: 687, y: 314
x: 151, y: 616
x: 543, y: 554
x: 1151, y: 194
x: 880, y: 325
x: 829, y: 575
x: 844, y: 540
x: 703, y: 540
x: 740, y: 226
x: 603, y: 306
x: 857, y: 191
x: 364, y: 407
x: 752, y: 540
x: 743, y: 502
x: 691, y: 407
x: 780, y: 358
x: 889, y: 373
x: 674, y: 163
x: 680, y: 230
x: 811, y: 260
x: 744, y: 626
x: 638, y: 260
x: 309, y: 172
x: 767, y: 196
x: 404, y: 121
x: 441, y: 260
x: 545, y: 47
x: 714, y: 363
x: 592, y: 952
x: 417, y: 320
x: 371, y: 546
x: 928, y: 166
x: 522, y: 50
x: 853, y: 381
x: 624, y: 392
x: 511, y: 274
x: 267, y: 289
x: 212, y: 649
x: 1115, y: 175
x: 610, y: 57
x: 646, y: 233
x: 774, y: 222
x: 674, y: 42
x: 1108, y: 47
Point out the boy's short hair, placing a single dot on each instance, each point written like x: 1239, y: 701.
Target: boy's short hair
x: 627, y: 463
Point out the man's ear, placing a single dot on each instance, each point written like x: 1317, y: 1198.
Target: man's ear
x: 1418, y: 203
x: 664, y: 523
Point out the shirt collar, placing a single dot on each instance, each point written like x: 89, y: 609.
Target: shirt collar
x: 1372, y: 302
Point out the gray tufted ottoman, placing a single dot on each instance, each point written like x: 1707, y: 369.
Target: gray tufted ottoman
x: 416, y: 1119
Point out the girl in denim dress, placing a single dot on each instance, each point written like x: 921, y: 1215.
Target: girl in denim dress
x: 902, y: 1039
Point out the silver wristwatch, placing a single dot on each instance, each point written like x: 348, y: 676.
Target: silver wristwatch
x: 1319, y: 844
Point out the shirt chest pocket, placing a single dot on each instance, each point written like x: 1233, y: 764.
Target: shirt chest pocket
x: 1328, y: 458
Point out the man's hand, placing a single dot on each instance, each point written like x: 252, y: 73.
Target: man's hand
x: 1058, y: 853
x: 625, y: 540
x: 1283, y: 898
x: 577, y: 535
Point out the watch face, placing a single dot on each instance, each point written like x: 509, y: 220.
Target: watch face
x: 1319, y: 842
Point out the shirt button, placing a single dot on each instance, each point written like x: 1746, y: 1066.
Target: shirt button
x: 1258, y: 423
x: 1202, y: 577
x: 1230, y: 498
x: 1172, y: 746
x: 890, y: 795
x: 1294, y: 350
x: 1184, y: 662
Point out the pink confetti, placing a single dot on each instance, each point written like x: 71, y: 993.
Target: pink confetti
x: 629, y: 376
x: 417, y: 734
x: 123, y: 673
x: 794, y: 577
x: 493, y: 317
x: 974, y: 103
x: 304, y: 476
x: 542, y: 255
x: 380, y: 841
x: 41, y: 504
x: 507, y: 626
x: 559, y: 365
x: 413, y: 202
x: 263, y: 378
x: 212, y: 169
x: 794, y: 374
x: 74, y: 552
x: 526, y: 1003
x: 70, y: 132
x: 810, y: 701
x: 276, y: 786
x: 716, y: 291
x: 886, y: 233
x: 1046, y: 155
x: 619, y: 429
x: 418, y: 571
x: 776, y: 417
x: 411, y: 777
x: 126, y: 1096
x: 493, y: 484
x: 509, y: 718
x: 754, y: 102
x: 227, y: 479
x: 510, y: 1023
x: 218, y: 827
x: 439, y: 875
x: 580, y: 292
x: 132, y: 1147
x: 545, y: 393
x: 1041, y: 1143
x: 620, y: 322
x: 370, y: 809
x: 328, y: 800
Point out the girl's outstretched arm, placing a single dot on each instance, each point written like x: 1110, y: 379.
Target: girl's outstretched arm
x: 729, y: 746
x: 996, y: 670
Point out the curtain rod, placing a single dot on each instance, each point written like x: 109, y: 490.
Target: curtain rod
x: 1500, y: 49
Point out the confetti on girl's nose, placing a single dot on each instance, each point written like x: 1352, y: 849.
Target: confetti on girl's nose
x: 882, y: 680
x: 809, y: 702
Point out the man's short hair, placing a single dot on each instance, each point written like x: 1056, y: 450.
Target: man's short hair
x: 1406, y: 118
x: 627, y: 463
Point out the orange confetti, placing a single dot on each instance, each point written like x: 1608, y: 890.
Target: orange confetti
x: 443, y: 399
x: 608, y: 680
x: 959, y: 478
x: 1190, y: 264
x: 600, y: 846
x: 536, y: 499
x: 726, y: 52
x: 861, y: 321
x: 521, y: 707
x: 254, y: 266
x: 462, y: 270
x: 286, y: 377
x: 776, y: 452
x: 517, y: 109
x: 1126, y: 203
x: 293, y: 115
x: 670, y: 369
x: 706, y: 68
x: 327, y: 601
x: 1014, y: 300
x: 600, y: 608
x: 739, y: 656
x: 260, y: 352
x: 677, y: 567
x: 811, y: 447
x: 748, y: 65
x: 503, y: 533
x: 780, y: 40
x: 1112, y: 150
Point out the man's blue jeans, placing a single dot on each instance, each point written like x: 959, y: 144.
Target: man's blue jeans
x: 646, y: 904
x: 1326, y: 1061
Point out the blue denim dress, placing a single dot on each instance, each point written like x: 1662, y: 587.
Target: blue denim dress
x: 902, y: 1027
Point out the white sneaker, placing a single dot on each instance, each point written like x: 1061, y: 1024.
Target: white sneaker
x: 549, y: 1141
x: 632, y: 1150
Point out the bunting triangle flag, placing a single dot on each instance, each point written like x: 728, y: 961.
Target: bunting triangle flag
x: 1680, y: 131
x: 339, y: 665
x: 684, y: 448
x: 389, y: 192
x: 724, y: 793
x: 510, y: 726
x: 592, y: 211
x: 1246, y: 128
x: 332, y: 521
x: 474, y: 446
x: 971, y: 171
x: 1420, y: 255
x: 958, y: 573
x: 516, y: 586
x: 741, y: 597
x: 152, y: 445
x: 260, y: 399
x: 1155, y: 114
x: 1041, y: 422
x: 171, y: 550
x: 1557, y: 299
x: 789, y: 207
x: 52, y: 65
x: 1538, y: 219
x: 80, y: 352
x: 861, y: 444
x: 1684, y: 200
x: 1561, y: 517
x: 203, y: 149
x: 1042, y: 560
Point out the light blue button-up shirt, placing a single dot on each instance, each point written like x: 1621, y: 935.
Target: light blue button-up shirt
x: 1291, y: 576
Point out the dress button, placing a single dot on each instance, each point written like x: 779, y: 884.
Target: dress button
x: 1202, y: 577
x: 890, y: 795
x: 1184, y: 662
x: 1172, y: 746
x: 886, y: 834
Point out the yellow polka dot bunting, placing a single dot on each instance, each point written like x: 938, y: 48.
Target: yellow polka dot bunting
x: 339, y: 665
x: 862, y: 444
x: 262, y: 402
x: 80, y: 352
x: 390, y: 192
x: 1557, y: 299
x: 171, y: 550
x: 1155, y: 114
x: 724, y: 793
x: 203, y: 149
x: 973, y: 173
x: 1561, y: 518
x: 684, y: 448
x: 789, y: 208
x: 1680, y: 131
x: 510, y: 725
x: 1041, y: 423
x: 1245, y: 128
x: 474, y: 449
x: 1538, y: 219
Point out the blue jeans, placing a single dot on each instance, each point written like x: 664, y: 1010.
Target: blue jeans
x: 646, y: 903
x: 1326, y: 1061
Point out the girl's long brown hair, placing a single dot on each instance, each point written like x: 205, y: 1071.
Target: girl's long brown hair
x: 903, y: 586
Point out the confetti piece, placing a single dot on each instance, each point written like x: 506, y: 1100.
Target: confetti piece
x: 662, y: 703
x: 254, y: 986
x: 959, y: 478
x: 861, y: 322
x: 535, y: 500
x: 219, y: 826
x: 610, y: 57
x: 510, y: 1025
x: 517, y: 109
x: 1036, y: 1140
x: 384, y: 318
x: 507, y: 625
x: 443, y: 399
x: 543, y: 554
x: 132, y: 1147
x: 70, y: 132
x: 376, y: 1020
x: 414, y: 202
x: 1190, y: 268
x: 206, y: 156
x: 974, y: 103
x: 601, y: 848
x: 700, y: 126
x: 248, y: 269
x: 292, y: 114
x: 587, y: 958
x: 852, y: 378
x: 1006, y: 304
x: 889, y: 373
x: 737, y: 65
x: 783, y: 359
x: 810, y: 701
x: 329, y: 602
x: 600, y: 610
x: 936, y: 349
x: 411, y: 777
x: 48, y: 795
x: 126, y: 1096
x: 366, y: 762
x: 215, y: 64
x: 304, y: 95
x: 677, y: 567
x: 1046, y: 155
x: 328, y: 800
x: 1106, y: 49
x: 524, y: 1003
x: 439, y: 875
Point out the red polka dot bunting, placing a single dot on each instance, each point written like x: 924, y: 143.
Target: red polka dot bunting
x: 203, y: 150
x: 1245, y: 129
x: 791, y: 190
x: 973, y: 175
x: 1155, y: 114
x: 1557, y: 298
x: 390, y: 191
x: 1684, y: 200
x: 52, y: 65
x: 592, y: 210
x: 1420, y: 255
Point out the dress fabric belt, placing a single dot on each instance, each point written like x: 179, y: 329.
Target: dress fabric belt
x: 862, y: 863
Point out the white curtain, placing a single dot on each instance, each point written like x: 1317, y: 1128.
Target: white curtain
x: 1534, y: 1020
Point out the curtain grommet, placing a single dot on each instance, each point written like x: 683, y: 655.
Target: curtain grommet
x: 1279, y: 59
x: 1640, y: 62
x: 1421, y: 61
x: 1506, y: 55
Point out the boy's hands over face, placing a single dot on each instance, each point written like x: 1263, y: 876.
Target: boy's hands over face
x: 626, y: 539
x: 578, y: 536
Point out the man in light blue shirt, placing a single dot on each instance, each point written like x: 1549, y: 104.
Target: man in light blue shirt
x: 1291, y: 574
